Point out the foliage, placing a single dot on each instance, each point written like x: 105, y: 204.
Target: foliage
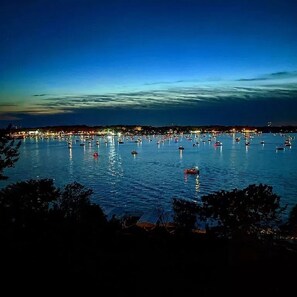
x: 73, y: 199
x: 185, y: 214
x: 35, y: 201
x: 292, y: 221
x: 249, y: 211
x: 9, y: 151
x: 21, y: 202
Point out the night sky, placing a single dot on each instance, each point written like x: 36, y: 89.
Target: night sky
x: 148, y: 62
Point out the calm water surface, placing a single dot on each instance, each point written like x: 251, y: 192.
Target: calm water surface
x: 155, y: 175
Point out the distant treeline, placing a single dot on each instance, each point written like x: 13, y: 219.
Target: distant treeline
x: 139, y: 129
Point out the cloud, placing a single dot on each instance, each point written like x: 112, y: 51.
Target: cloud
x: 45, y: 111
x: 7, y: 117
x: 273, y: 75
x: 253, y: 79
x: 7, y: 104
x: 159, y: 83
x: 174, y: 97
x: 283, y: 74
x: 163, y: 98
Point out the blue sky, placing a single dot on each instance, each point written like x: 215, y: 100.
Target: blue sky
x: 149, y: 62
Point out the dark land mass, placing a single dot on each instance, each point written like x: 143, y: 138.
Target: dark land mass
x: 138, y: 262
x: 54, y: 240
x: 138, y: 129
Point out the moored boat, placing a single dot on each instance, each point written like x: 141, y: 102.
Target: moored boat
x: 192, y: 170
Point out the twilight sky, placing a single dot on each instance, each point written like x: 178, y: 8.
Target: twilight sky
x: 150, y: 62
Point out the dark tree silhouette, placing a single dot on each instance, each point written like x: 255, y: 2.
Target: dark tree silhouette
x: 9, y: 151
x: 73, y: 200
x: 33, y: 201
x: 185, y: 214
x: 291, y: 225
x: 22, y: 202
x: 250, y: 211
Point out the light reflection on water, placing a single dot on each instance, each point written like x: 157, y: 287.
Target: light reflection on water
x: 70, y: 162
x: 156, y: 174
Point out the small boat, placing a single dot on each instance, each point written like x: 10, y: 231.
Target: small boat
x: 134, y: 153
x: 192, y: 170
x: 95, y: 155
x: 181, y: 147
x: 218, y: 143
x: 280, y: 148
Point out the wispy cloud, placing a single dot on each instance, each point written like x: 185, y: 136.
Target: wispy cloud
x: 3, y: 104
x: 272, y: 76
x: 172, y: 96
x: 283, y: 74
x: 7, y: 117
x: 164, y: 98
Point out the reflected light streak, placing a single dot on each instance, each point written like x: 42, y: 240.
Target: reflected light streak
x: 70, y: 162
x: 70, y: 154
x: 197, y: 184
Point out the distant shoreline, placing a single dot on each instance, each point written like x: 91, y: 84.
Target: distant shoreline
x: 145, y: 129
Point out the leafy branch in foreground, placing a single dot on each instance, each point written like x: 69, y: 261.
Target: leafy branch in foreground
x: 9, y: 151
